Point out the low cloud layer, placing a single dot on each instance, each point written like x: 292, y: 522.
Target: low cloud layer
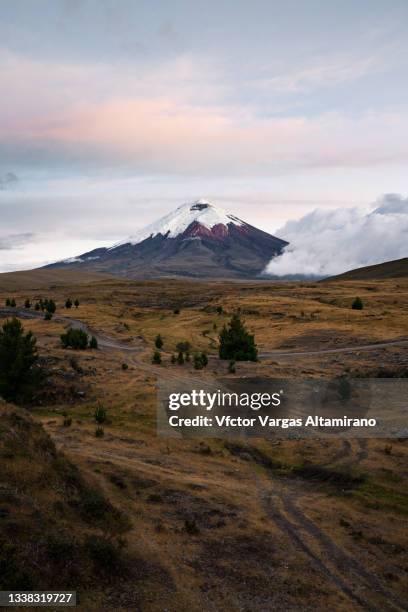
x: 323, y: 243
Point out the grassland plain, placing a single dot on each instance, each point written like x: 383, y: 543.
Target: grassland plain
x: 214, y: 524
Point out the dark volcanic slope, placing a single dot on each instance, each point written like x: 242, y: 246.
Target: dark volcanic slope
x: 390, y: 269
x: 226, y: 249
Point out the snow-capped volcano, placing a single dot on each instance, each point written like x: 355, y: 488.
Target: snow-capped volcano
x: 197, y: 239
x: 177, y: 222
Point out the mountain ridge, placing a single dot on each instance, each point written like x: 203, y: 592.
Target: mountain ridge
x: 197, y: 240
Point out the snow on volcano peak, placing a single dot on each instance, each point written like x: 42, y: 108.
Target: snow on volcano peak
x: 175, y: 223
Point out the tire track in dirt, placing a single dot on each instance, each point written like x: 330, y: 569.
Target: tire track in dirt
x: 292, y: 531
x: 292, y: 521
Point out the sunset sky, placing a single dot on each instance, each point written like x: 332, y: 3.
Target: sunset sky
x: 114, y: 112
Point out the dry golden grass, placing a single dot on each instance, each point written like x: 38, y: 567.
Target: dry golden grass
x: 232, y: 527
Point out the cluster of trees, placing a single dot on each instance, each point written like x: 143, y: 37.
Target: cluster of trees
x: 46, y: 305
x: 78, y: 339
x: 235, y: 344
x: 19, y: 375
x: 69, y: 303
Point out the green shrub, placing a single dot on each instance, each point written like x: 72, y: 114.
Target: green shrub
x: 48, y: 316
x: 158, y: 342
x: 200, y: 361
x: 180, y: 358
x: 100, y: 414
x: 76, y: 303
x: 27, y: 303
x: 156, y: 359
x: 231, y: 367
x: 93, y: 343
x: 50, y: 306
x: 357, y: 304
x: 75, y: 338
x: 125, y: 366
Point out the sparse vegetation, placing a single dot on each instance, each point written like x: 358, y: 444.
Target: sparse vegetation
x: 48, y: 316
x: 27, y: 303
x: 76, y: 303
x: 68, y: 303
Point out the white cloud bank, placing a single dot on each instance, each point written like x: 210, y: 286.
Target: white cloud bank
x: 323, y: 243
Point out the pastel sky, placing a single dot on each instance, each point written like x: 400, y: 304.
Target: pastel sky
x: 113, y: 112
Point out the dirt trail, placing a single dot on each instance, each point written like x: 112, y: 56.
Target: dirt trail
x: 111, y: 343
x: 339, y: 567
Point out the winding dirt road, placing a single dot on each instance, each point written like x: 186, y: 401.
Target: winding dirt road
x: 111, y: 343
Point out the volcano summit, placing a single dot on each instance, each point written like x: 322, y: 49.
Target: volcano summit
x: 196, y: 240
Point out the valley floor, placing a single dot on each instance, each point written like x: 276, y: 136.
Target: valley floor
x: 228, y: 524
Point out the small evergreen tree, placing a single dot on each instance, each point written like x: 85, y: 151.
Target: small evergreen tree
x: 8, y: 302
x: 27, y: 303
x: 68, y: 303
x: 76, y: 303
x: 180, y: 358
x: 50, y: 306
x: 93, y: 343
x: 357, y: 304
x: 236, y: 343
x: 18, y: 356
x: 158, y: 342
x: 156, y: 359
x: 100, y: 414
x: 48, y: 315
x: 37, y: 306
x: 13, y: 303
x: 220, y: 310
